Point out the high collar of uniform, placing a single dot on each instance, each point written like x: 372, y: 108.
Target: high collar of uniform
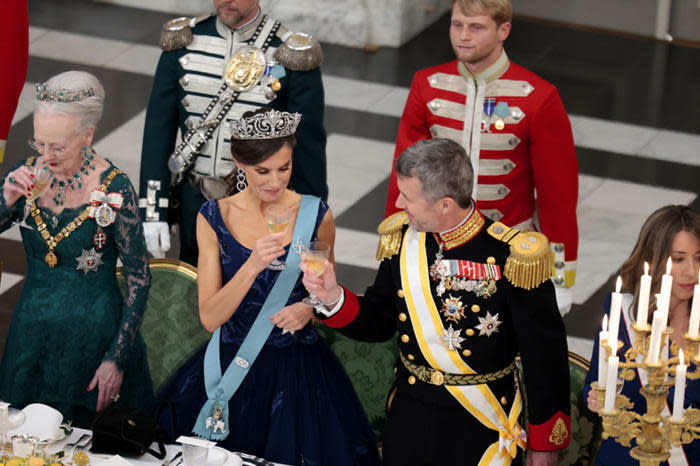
x: 245, y: 32
x: 493, y: 72
x: 465, y: 231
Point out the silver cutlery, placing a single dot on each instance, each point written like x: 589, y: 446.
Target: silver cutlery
x: 77, y: 442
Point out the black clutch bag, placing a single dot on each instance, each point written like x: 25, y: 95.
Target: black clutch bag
x: 120, y: 430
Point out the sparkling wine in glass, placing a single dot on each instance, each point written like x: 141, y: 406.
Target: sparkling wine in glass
x: 277, y: 217
x: 41, y: 181
x: 317, y: 253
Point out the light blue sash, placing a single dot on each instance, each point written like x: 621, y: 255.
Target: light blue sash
x: 212, y: 422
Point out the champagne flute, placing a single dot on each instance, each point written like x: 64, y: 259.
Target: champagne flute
x: 317, y: 253
x: 41, y: 181
x: 277, y: 217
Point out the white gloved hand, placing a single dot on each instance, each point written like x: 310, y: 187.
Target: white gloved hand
x: 157, y: 237
x: 565, y: 298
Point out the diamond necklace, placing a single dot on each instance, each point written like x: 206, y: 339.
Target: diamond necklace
x: 76, y: 179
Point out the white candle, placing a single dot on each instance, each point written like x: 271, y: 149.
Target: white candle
x: 679, y: 395
x: 644, y: 291
x: 615, y: 307
x: 611, y: 385
x: 602, y: 356
x: 666, y: 283
x: 657, y: 327
x: 694, y: 326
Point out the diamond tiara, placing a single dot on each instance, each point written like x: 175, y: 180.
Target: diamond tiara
x: 58, y: 94
x: 269, y: 125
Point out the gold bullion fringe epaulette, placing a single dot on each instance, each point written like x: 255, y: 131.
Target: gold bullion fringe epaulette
x: 435, y: 377
x: 531, y: 260
x: 300, y: 52
x: 177, y: 33
x: 390, y: 231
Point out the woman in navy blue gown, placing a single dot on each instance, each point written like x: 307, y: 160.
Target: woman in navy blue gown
x: 671, y: 231
x: 296, y: 405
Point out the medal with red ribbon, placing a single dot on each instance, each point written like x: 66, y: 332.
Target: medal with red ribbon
x: 103, y: 209
x: 465, y: 275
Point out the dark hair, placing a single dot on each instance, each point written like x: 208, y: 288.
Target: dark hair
x: 654, y: 246
x: 254, y: 151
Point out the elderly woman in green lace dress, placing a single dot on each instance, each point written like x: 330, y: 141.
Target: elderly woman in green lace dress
x: 74, y: 342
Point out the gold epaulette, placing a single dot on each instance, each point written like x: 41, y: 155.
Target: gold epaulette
x: 177, y: 33
x: 530, y: 262
x: 300, y: 52
x: 390, y: 235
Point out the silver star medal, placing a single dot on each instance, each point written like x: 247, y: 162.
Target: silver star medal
x: 451, y: 338
x: 89, y: 261
x: 488, y: 325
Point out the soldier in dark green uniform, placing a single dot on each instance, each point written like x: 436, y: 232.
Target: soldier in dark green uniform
x: 466, y: 295
x: 263, y: 65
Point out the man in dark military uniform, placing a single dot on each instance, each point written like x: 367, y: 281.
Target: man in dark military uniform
x: 279, y: 69
x: 466, y: 295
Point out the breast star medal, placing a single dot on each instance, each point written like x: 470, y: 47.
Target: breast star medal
x: 451, y: 338
x: 488, y: 325
x: 89, y: 261
x: 452, y: 308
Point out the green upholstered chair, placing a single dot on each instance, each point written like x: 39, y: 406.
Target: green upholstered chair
x: 171, y: 327
x: 371, y: 370
x: 586, y: 426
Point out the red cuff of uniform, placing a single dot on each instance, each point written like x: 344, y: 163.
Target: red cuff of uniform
x: 551, y: 435
x: 347, y: 313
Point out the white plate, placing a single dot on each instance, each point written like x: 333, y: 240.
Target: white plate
x: 64, y: 431
x: 217, y: 457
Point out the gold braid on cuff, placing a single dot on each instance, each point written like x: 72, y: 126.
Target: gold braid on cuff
x: 432, y: 376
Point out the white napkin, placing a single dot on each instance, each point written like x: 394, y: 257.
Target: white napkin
x: 42, y: 422
x: 115, y: 461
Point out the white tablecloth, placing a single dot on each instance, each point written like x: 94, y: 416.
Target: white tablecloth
x: 145, y: 460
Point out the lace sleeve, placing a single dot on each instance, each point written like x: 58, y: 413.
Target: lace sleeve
x: 132, y: 252
x: 9, y: 214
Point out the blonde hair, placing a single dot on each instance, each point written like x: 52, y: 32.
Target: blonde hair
x: 654, y: 246
x: 501, y: 11
x: 88, y: 110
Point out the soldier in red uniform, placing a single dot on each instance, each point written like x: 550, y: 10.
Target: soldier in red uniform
x: 14, y: 54
x: 512, y: 124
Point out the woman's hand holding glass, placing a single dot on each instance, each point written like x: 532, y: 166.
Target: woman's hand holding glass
x: 267, y: 249
x: 18, y: 183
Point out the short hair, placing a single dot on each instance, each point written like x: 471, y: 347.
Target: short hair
x: 654, y: 246
x: 88, y: 110
x: 501, y: 11
x: 255, y: 151
x: 443, y: 168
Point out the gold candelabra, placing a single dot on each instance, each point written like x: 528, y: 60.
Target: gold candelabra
x: 655, y: 433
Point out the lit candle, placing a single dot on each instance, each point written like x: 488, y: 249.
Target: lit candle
x: 694, y: 325
x: 643, y: 304
x: 657, y: 327
x: 679, y: 395
x: 666, y: 283
x: 602, y: 357
x: 611, y: 385
x: 615, y: 307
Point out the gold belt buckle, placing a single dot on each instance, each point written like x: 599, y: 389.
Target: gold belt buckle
x: 437, y: 378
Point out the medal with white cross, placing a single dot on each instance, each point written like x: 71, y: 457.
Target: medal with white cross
x: 99, y: 239
x: 451, y: 338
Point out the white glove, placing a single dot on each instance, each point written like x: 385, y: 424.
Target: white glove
x: 565, y: 298
x: 157, y: 237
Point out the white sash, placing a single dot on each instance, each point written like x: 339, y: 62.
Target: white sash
x: 479, y: 400
x: 677, y: 454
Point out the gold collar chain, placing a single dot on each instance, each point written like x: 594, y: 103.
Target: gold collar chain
x: 51, y: 241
